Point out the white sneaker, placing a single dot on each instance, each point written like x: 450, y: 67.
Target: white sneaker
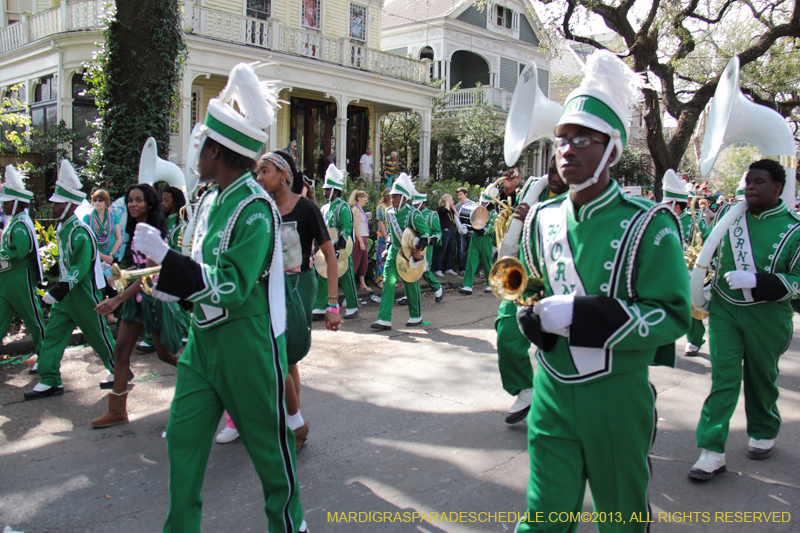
x: 691, y: 350
x: 451, y: 272
x: 760, y: 448
x: 709, y: 465
x: 438, y: 274
x: 227, y: 435
x: 519, y: 409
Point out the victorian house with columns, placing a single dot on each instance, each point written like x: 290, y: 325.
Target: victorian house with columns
x: 325, y: 54
x: 470, y: 46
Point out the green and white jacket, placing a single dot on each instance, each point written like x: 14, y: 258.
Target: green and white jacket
x: 400, y: 219
x: 768, y: 245
x: 622, y: 257
x: 78, y: 260
x: 19, y: 250
x: 337, y: 214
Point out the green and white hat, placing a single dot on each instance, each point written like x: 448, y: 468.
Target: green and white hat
x: 418, y: 197
x: 68, y: 186
x: 334, y: 178
x: 674, y: 188
x: 603, y: 102
x: 402, y: 185
x: 242, y: 130
x: 14, y: 187
x: 739, y: 195
x: 489, y: 194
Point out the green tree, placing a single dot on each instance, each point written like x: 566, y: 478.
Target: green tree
x: 633, y: 168
x: 15, y: 121
x: 135, y: 80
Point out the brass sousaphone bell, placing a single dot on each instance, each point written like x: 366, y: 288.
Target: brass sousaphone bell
x: 342, y: 262
x: 404, y: 269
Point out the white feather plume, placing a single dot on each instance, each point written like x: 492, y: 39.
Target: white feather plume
x: 609, y: 74
x: 256, y: 100
x: 672, y: 183
x: 67, y: 177
x: 14, y: 178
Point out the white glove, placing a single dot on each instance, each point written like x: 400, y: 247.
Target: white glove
x: 555, y: 313
x: 413, y: 262
x: 147, y: 240
x: 163, y: 296
x: 49, y: 300
x: 739, y: 279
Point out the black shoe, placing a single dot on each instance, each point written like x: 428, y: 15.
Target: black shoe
x: 701, y: 475
x: 402, y: 301
x: 758, y: 454
x: 519, y: 416
x: 316, y: 317
x: 106, y: 385
x: 345, y: 316
x: 34, y: 369
x: 382, y: 327
x: 694, y: 353
x: 52, y: 391
x: 145, y: 348
x: 462, y: 290
x: 440, y: 298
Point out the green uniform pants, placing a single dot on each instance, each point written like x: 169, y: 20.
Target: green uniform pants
x: 348, y: 284
x: 600, y: 432
x: 744, y: 341
x: 390, y: 278
x: 696, y: 332
x: 18, y: 295
x: 480, y: 249
x: 76, y: 309
x: 301, y: 289
x: 234, y: 367
x: 516, y: 370
x: 431, y: 280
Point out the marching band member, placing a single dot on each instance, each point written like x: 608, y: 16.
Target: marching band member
x: 750, y: 319
x: 337, y: 214
x: 603, y: 320
x: 516, y: 371
x: 236, y: 355
x: 77, y: 292
x: 172, y: 200
x: 420, y: 202
x: 676, y: 196
x: 20, y: 268
x: 401, y: 216
x: 480, y: 249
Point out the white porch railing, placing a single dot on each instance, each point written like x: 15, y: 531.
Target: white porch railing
x: 73, y: 15
x: 68, y: 16
x: 498, y: 98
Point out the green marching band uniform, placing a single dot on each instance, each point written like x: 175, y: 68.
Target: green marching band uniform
x: 398, y: 220
x: 513, y: 360
x: 20, y: 269
x: 77, y: 292
x: 337, y: 214
x: 432, y: 220
x: 175, y: 228
x: 675, y: 191
x: 480, y: 249
x: 750, y: 327
x: 235, y: 358
x: 592, y: 416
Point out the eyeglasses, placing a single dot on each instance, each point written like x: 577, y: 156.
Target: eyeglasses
x: 97, y: 200
x: 578, y: 142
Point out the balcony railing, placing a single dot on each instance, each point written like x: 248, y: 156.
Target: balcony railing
x: 498, y: 98
x: 67, y: 16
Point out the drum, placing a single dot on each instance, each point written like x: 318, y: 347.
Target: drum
x: 474, y: 215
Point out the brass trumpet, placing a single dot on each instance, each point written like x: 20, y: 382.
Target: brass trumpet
x: 123, y: 278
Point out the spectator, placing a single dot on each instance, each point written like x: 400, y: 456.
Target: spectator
x: 358, y: 199
x: 463, y: 240
x: 107, y: 229
x: 390, y: 170
x: 444, y: 253
x: 292, y: 149
x: 365, y: 166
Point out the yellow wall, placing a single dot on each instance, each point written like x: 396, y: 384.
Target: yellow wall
x: 211, y: 89
x: 231, y: 6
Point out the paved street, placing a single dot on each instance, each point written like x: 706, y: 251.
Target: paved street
x: 407, y: 420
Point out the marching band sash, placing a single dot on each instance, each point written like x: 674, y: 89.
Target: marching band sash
x: 742, y: 250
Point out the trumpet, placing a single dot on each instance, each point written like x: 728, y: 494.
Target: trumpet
x: 508, y: 278
x: 123, y: 278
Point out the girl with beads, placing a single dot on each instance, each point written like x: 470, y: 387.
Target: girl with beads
x: 140, y: 311
x: 107, y: 229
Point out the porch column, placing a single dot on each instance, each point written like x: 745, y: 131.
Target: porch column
x: 377, y: 168
x: 447, y: 74
x: 341, y: 133
x: 424, y: 144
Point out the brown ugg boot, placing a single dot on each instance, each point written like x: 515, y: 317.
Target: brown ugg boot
x: 117, y: 412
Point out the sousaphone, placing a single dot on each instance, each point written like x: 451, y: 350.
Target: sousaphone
x: 343, y: 256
